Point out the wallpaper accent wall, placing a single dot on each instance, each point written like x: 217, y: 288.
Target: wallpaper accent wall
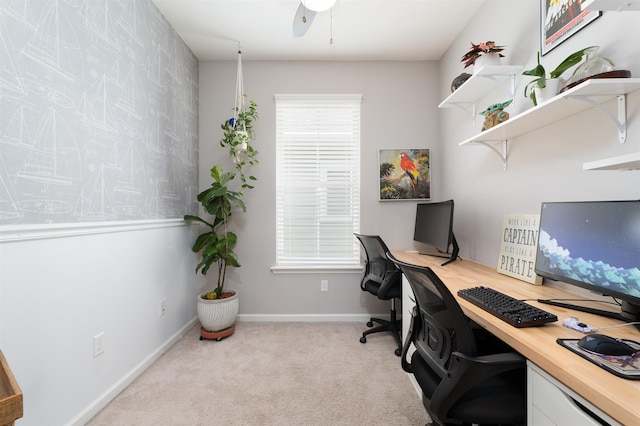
x: 98, y: 113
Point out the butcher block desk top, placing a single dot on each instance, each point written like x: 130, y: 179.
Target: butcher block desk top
x: 618, y: 397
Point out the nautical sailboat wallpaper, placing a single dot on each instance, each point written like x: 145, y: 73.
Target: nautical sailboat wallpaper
x: 98, y: 113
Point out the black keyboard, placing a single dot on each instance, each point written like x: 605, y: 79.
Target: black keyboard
x: 513, y: 311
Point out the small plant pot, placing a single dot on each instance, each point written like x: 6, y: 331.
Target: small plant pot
x: 553, y: 86
x: 241, y: 137
x: 485, y: 60
x: 218, y: 314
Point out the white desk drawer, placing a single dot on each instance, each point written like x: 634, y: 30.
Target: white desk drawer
x: 550, y: 403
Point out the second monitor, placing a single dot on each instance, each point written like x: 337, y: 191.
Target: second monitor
x: 434, y: 228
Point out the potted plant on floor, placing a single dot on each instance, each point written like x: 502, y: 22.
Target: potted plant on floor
x: 545, y: 86
x: 217, y: 308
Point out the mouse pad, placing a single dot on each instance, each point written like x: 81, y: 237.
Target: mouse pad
x: 625, y: 367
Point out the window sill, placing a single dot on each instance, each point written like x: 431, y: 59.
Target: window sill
x: 336, y: 269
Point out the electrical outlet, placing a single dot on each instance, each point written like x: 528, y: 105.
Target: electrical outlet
x: 324, y: 285
x: 163, y: 307
x: 98, y: 344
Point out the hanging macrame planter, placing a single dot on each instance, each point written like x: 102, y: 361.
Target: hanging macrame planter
x: 240, y: 135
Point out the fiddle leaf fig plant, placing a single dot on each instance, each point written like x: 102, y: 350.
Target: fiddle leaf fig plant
x: 541, y: 74
x: 216, y: 244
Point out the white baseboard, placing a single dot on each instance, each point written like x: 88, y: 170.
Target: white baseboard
x: 103, y: 400
x: 309, y: 317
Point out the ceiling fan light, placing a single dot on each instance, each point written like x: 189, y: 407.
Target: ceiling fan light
x: 318, y: 5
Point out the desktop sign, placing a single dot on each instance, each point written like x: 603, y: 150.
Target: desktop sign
x: 519, y: 246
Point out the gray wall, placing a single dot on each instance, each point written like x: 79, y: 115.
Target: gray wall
x: 98, y: 163
x: 399, y: 110
x: 98, y: 115
x: 544, y: 165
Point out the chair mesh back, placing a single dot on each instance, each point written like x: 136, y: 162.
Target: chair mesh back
x: 377, y: 263
x: 442, y: 327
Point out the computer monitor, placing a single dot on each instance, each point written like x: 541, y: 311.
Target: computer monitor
x: 594, y: 245
x: 434, y: 228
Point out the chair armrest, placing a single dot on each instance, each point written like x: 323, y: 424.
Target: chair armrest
x: 471, y: 370
x: 406, y: 365
x: 505, y: 358
x: 364, y: 275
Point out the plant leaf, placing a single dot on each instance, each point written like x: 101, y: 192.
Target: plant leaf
x: 538, y: 71
x: 570, y: 61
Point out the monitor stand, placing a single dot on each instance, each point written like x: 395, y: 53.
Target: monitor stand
x: 454, y: 253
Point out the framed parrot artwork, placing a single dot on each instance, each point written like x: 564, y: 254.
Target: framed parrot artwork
x: 405, y: 174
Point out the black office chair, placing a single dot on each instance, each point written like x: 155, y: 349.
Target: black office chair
x: 467, y: 375
x: 383, y: 279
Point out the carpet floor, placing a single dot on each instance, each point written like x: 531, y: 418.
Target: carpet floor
x: 273, y: 374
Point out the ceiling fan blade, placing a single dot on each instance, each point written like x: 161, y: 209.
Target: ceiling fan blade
x: 302, y: 21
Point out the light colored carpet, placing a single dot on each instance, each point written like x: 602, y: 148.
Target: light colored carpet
x: 273, y: 374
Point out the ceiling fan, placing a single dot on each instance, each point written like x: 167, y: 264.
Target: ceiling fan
x: 307, y: 12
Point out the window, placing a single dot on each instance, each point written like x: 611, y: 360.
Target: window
x: 317, y: 180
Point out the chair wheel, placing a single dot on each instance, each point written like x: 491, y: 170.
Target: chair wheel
x: 398, y: 352
x: 363, y: 339
x: 370, y: 324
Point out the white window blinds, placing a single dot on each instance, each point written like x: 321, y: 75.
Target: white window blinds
x: 317, y: 179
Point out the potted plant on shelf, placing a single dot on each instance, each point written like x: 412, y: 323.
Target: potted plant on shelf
x: 218, y: 308
x: 483, y: 54
x: 545, y: 86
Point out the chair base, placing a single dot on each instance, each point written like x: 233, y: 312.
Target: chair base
x: 393, y: 325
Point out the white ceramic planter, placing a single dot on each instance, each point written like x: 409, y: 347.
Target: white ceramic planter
x: 218, y: 314
x: 485, y: 60
x: 241, y: 137
x: 553, y: 86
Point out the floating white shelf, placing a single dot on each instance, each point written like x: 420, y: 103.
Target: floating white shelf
x: 589, y: 94
x: 481, y: 83
x: 611, y: 5
x: 622, y: 162
x: 561, y: 106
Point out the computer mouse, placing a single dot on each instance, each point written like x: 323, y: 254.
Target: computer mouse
x: 605, y: 345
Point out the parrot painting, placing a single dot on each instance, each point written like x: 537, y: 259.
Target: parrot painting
x: 410, y: 170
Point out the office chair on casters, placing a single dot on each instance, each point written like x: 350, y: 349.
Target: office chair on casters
x: 383, y: 279
x: 467, y: 375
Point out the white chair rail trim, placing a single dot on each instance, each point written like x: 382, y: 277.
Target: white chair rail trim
x: 60, y: 230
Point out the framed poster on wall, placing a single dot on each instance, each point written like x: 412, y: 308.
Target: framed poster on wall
x: 405, y: 174
x: 560, y: 19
